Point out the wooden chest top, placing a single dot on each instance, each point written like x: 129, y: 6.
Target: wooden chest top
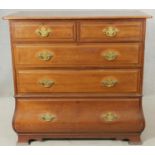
x: 78, y: 14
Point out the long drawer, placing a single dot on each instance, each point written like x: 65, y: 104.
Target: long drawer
x: 78, y: 115
x: 98, y: 55
x: 110, y: 31
x: 79, y: 81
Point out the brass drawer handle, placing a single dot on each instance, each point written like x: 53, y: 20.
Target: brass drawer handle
x: 47, y: 117
x: 109, y: 117
x: 43, y: 31
x: 110, y: 31
x: 46, y: 83
x: 45, y: 55
x: 109, y: 82
x: 110, y: 55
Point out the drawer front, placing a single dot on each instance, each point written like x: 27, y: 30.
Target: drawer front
x: 44, y: 30
x: 108, y: 54
x: 78, y: 115
x: 79, y: 81
x: 111, y: 31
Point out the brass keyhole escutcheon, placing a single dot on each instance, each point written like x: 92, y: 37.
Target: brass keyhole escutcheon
x: 109, y: 117
x: 110, y: 55
x: 47, y: 117
x: 110, y: 31
x: 109, y: 82
x: 46, y: 83
x: 45, y: 55
x: 43, y: 31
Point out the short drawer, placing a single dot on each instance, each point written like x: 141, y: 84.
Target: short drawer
x: 103, y: 55
x: 43, y: 30
x: 79, y: 81
x: 100, y: 31
x: 78, y: 115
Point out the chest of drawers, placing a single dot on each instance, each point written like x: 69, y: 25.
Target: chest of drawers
x: 78, y: 74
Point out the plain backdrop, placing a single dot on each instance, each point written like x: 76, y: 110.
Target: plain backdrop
x: 8, y: 136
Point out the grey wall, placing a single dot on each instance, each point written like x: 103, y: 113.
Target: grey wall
x: 6, y: 84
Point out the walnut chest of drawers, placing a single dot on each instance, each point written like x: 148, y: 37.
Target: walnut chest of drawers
x: 78, y: 74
